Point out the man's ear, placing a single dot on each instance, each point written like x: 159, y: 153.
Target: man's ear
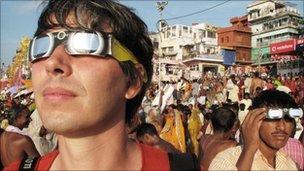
x: 135, y: 86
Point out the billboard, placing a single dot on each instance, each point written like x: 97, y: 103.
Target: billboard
x: 283, y: 47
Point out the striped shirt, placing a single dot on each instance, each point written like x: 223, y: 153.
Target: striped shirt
x: 226, y: 160
x: 294, y: 149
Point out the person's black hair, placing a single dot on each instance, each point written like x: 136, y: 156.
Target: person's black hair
x: 95, y: 15
x: 242, y: 106
x: 184, y: 109
x: 234, y: 107
x: 247, y: 94
x: 229, y: 101
x: 145, y: 128
x: 223, y: 119
x: 14, y: 112
x: 256, y: 74
x: 273, y: 98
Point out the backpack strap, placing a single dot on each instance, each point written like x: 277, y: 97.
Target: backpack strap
x: 183, y: 161
x: 28, y: 164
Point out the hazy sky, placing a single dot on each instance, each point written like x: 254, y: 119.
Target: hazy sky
x: 19, y: 18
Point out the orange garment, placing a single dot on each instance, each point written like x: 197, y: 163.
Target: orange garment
x: 173, y: 131
x: 194, y: 127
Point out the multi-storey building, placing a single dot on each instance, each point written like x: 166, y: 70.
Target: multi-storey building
x: 194, y: 46
x: 236, y: 40
x: 271, y: 21
x: 178, y: 41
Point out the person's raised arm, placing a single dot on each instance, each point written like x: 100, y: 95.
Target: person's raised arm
x: 250, y: 133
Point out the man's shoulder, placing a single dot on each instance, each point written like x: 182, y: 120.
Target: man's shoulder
x: 230, y: 153
x: 16, y: 137
x: 43, y: 163
x: 285, y: 160
x: 227, y: 159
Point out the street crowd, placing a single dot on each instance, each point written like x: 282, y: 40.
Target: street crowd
x: 201, y: 116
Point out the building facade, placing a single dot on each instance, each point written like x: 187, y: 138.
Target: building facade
x: 271, y: 21
x: 236, y: 38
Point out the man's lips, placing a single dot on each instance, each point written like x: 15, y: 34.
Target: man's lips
x: 280, y: 135
x: 58, y: 94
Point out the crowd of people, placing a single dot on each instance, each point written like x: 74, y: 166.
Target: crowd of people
x: 96, y: 108
x: 202, y: 117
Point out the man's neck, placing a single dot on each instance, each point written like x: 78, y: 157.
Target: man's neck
x: 268, y: 153
x: 109, y: 150
x: 221, y: 136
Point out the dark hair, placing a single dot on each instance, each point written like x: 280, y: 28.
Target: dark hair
x: 94, y: 15
x: 273, y: 98
x: 145, y: 128
x: 15, y: 112
x: 184, y: 109
x: 256, y: 74
x: 242, y: 106
x: 223, y: 119
x: 234, y: 107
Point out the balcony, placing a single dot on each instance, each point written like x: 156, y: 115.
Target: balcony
x: 170, y: 53
x: 286, y: 10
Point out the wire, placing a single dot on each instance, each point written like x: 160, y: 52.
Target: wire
x: 197, y: 12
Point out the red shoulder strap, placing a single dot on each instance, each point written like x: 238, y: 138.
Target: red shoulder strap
x: 154, y: 159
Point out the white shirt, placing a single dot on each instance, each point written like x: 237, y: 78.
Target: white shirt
x: 12, y: 128
x: 247, y: 84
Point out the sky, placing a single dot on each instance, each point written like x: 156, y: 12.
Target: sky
x: 19, y: 17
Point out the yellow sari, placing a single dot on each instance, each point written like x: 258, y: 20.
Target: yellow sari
x: 173, y: 131
x: 194, y: 126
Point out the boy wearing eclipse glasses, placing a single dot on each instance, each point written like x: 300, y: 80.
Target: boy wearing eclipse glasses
x: 265, y: 131
x: 91, y: 63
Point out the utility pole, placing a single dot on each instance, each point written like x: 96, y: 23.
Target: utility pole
x: 260, y: 54
x: 160, y: 5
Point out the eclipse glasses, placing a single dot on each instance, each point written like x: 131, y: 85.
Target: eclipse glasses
x: 80, y: 43
x: 280, y: 113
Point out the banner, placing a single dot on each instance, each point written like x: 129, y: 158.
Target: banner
x: 283, y: 47
x: 229, y: 57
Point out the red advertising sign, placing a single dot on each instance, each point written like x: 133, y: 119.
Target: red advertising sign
x: 282, y: 47
x: 300, y: 41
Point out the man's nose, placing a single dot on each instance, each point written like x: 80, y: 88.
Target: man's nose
x: 281, y: 124
x: 58, y: 63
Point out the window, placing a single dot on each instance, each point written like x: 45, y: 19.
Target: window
x: 227, y: 39
x: 222, y: 39
x: 185, y: 29
x: 211, y: 34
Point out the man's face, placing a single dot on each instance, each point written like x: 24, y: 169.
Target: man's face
x: 79, y: 94
x: 24, y: 119
x: 275, y: 133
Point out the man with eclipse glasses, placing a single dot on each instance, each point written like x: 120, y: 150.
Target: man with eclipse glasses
x: 265, y: 131
x: 91, y: 63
